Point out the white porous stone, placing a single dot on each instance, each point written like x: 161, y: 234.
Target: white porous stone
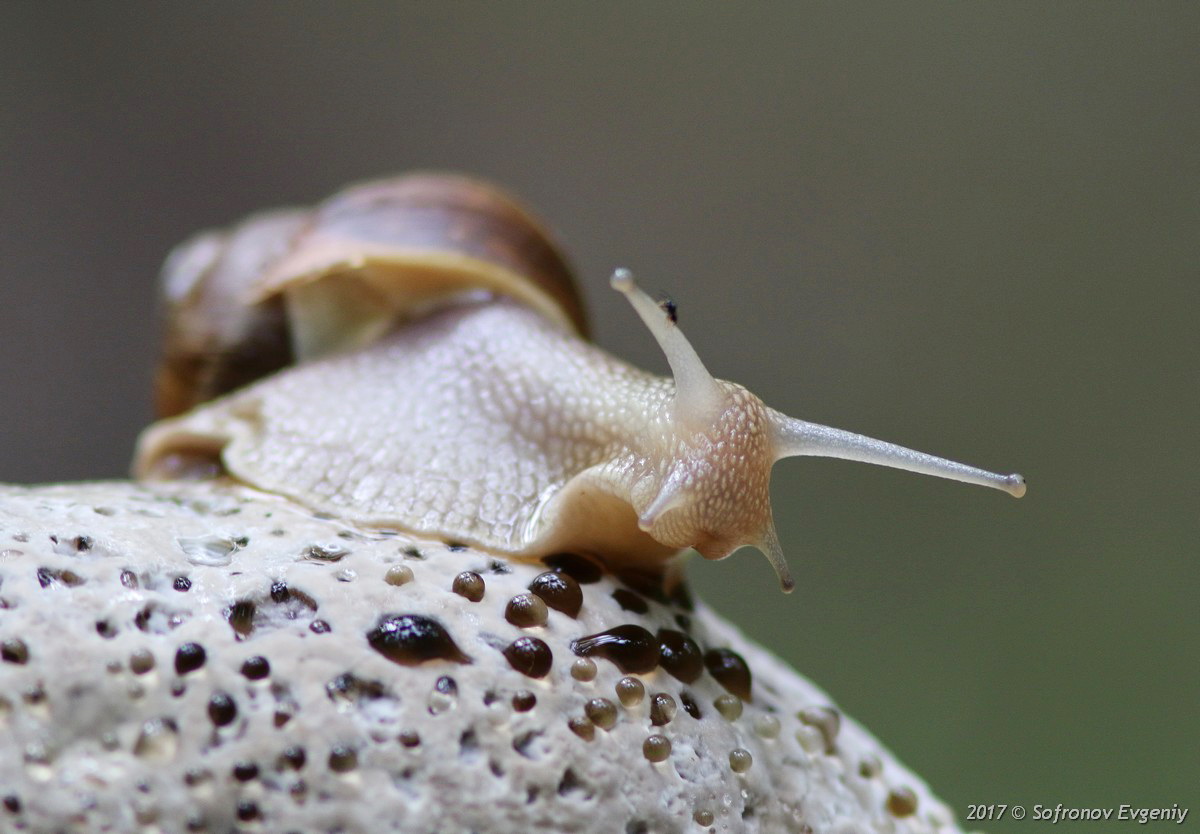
x: 108, y: 724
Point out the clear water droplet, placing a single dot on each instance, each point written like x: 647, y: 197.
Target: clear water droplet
x: 212, y: 550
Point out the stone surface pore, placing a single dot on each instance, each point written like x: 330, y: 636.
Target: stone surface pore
x: 205, y: 657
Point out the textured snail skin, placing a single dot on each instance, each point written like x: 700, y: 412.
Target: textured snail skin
x: 485, y: 423
x: 207, y: 657
x: 482, y: 423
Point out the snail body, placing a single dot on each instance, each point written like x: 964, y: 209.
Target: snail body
x: 477, y: 417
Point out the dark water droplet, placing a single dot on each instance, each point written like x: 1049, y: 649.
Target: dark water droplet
x: 681, y: 657
x: 446, y: 685
x: 222, y: 709
x: 83, y: 543
x: 182, y: 584
x: 580, y: 568
x: 456, y: 547
x: 529, y: 656
x: 189, y: 657
x: 294, y: 595
x: 681, y: 596
x: 14, y: 650
x: 902, y: 802
x: 526, y: 611
x: 409, y: 738
x: 668, y: 306
x: 601, y: 712
x: 582, y: 727
x: 141, y: 661
x: 194, y: 776
x: 630, y: 647
x: 468, y: 743
x: 558, y: 590
x: 247, y: 811
x: 524, y: 701
x: 662, y: 709
x: 280, y: 592
x: 729, y: 670
x: 656, y: 748
x: 523, y: 744
x: 129, y: 579
x: 648, y: 583
x: 256, y: 668
x: 412, y: 639
x: 292, y: 758
x: 319, y: 627
x: 343, y: 759
x: 241, y: 617
x: 570, y: 782
x: 689, y: 704
x: 629, y: 601
x: 245, y: 771
x: 469, y: 585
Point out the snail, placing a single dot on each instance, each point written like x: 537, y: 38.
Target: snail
x: 444, y: 386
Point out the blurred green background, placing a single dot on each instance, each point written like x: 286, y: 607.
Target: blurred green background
x: 970, y: 228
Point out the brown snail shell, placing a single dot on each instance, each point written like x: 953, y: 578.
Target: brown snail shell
x: 216, y: 339
x: 294, y: 284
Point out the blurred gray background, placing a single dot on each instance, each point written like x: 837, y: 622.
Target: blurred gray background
x: 969, y: 228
